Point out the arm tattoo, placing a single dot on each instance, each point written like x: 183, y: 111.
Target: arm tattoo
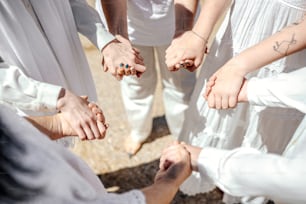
x: 283, y: 47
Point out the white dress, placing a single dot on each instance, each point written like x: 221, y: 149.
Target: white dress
x: 267, y: 129
x: 249, y: 172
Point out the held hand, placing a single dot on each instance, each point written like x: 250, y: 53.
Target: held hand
x: 174, y: 164
x: 75, y: 110
x: 121, y: 59
x: 194, y: 155
x: 184, y: 49
x: 223, y: 87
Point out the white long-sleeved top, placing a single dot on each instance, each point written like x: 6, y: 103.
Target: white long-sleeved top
x: 41, y: 38
x: 20, y: 91
x: 249, y: 172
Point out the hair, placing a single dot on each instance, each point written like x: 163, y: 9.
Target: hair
x: 12, y: 150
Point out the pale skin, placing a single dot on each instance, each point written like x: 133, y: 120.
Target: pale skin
x: 57, y: 126
x: 192, y: 45
x: 116, y: 15
x: 184, y: 18
x: 75, y: 109
x: 168, y: 179
x: 224, y: 85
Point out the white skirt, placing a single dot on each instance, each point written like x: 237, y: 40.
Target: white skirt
x: 268, y: 129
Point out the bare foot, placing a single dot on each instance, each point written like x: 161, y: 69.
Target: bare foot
x: 131, y: 146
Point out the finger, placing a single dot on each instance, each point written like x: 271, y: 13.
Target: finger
x: 90, y: 129
x: 218, y: 102
x: 137, y: 52
x: 232, y: 102
x: 140, y: 68
x: 105, y: 68
x: 198, y: 61
x: 224, y: 102
x: 102, y: 129
x: 209, y: 86
x: 79, y: 130
x: 127, y: 70
x: 133, y: 71
x: 211, y: 101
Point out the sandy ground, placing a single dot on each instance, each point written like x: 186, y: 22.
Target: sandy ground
x: 118, y: 172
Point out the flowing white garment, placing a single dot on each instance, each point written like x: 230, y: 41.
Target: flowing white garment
x: 35, y: 170
x: 249, y: 172
x: 45, y: 45
x: 268, y: 129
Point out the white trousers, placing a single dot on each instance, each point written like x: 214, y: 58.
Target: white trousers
x: 138, y: 94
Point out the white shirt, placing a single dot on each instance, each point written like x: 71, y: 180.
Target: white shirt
x: 150, y: 23
x: 20, y: 91
x: 249, y: 172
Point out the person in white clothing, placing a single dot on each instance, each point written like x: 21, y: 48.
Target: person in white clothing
x: 151, y: 26
x: 44, y: 43
x: 19, y: 91
x: 246, y: 171
x: 33, y: 170
x: 246, y: 25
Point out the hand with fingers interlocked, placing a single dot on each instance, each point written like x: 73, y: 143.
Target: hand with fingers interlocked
x: 186, y: 51
x: 85, y: 118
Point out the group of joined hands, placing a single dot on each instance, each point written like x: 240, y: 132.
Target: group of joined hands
x: 223, y: 90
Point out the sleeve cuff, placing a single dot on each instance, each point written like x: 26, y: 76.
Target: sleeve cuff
x: 209, y: 162
x: 48, y: 95
x: 103, y: 36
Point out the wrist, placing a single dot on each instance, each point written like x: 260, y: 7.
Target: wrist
x: 204, y: 39
x: 238, y: 66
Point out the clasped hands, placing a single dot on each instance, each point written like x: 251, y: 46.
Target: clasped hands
x: 183, y: 154
x: 121, y: 59
x: 186, y: 50
x: 225, y: 88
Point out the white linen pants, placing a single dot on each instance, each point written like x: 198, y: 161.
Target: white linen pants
x: 138, y: 93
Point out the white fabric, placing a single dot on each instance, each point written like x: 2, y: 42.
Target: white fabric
x: 55, y: 56
x: 248, y: 172
x: 246, y: 23
x: 138, y: 94
x: 19, y: 91
x: 47, y: 173
x: 283, y: 90
x: 151, y: 28
x: 150, y: 23
x: 41, y: 38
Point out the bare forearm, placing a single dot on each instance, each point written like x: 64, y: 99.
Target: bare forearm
x: 211, y: 11
x: 286, y: 42
x: 184, y: 14
x: 47, y: 125
x: 162, y: 193
x: 115, y: 12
